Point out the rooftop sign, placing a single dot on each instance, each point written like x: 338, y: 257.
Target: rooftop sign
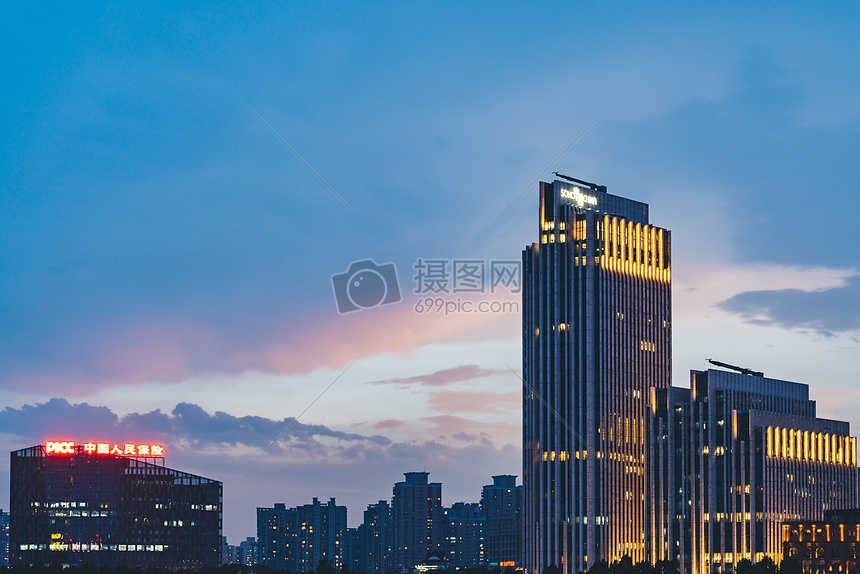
x: 61, y: 447
x: 577, y: 198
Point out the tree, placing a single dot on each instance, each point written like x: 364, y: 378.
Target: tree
x: 599, y: 567
x: 324, y: 567
x: 745, y: 566
x: 790, y: 566
x: 623, y: 566
x: 765, y: 566
x: 666, y: 567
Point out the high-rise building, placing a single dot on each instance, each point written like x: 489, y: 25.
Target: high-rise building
x: 416, y: 512
x: 321, y: 530
x: 501, y: 504
x: 75, y: 503
x: 376, y: 540
x: 247, y: 552
x: 464, y: 535
x: 596, y: 339
x: 353, y: 550
x: 299, y: 538
x: 733, y: 458
x: 4, y: 538
x: 276, y: 537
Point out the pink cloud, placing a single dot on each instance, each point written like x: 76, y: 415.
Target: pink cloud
x: 172, y: 349
x: 390, y: 424
x: 475, y: 402
x: 443, y: 377
x: 444, y: 426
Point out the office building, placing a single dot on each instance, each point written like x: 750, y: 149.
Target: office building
x: 416, y: 513
x: 74, y: 503
x: 733, y: 458
x: 501, y: 504
x: 596, y: 339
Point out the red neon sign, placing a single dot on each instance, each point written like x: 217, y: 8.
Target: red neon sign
x: 55, y: 447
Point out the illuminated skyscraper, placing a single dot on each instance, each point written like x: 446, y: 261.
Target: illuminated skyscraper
x: 596, y: 339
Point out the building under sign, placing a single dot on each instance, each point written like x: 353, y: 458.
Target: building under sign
x: 733, y: 458
x: 77, y: 503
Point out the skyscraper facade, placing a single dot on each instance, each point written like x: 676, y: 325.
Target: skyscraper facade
x: 417, y: 514
x: 596, y: 339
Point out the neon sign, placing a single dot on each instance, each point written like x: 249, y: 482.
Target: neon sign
x: 57, y: 447
x: 60, y: 447
x: 577, y: 197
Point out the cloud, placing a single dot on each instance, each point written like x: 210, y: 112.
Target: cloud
x: 187, y: 427
x: 312, y: 459
x: 443, y: 377
x: 390, y: 424
x: 173, y: 350
x: 444, y: 426
x: 829, y: 310
x: 475, y: 402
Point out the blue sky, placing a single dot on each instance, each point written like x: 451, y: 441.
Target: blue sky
x: 166, y: 262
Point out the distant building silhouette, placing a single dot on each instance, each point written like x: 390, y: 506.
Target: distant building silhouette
x: 502, y: 504
x: 4, y: 538
x: 247, y: 552
x: 277, y: 537
x: 417, y: 513
x: 376, y: 540
x: 463, y: 535
x: 299, y: 538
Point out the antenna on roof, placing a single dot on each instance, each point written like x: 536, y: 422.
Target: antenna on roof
x: 593, y: 186
x: 741, y: 370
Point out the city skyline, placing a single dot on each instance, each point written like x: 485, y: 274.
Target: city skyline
x: 166, y: 262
